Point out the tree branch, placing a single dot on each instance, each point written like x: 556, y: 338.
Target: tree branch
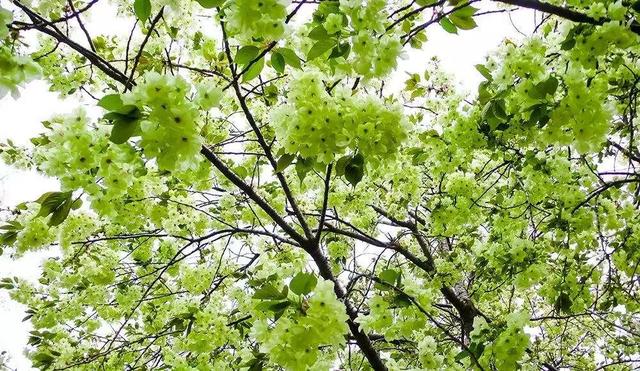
x: 325, y: 202
x: 251, y: 194
x: 562, y: 12
x: 261, y: 140
x: 154, y: 22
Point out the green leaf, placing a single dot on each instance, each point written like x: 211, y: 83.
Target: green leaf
x: 539, y: 115
x: 76, y: 204
x: 463, y: 23
x: 303, y: 283
x: 246, y: 54
x: 123, y: 130
x: 465, y: 12
x: 319, y: 33
x: 354, y: 169
x: 544, y: 88
x: 448, y: 26
x: 303, y: 166
x: 9, y: 237
x: 280, y: 310
x: 51, y: 201
x: 58, y: 204
x: 563, y: 303
x: 284, y: 161
x: 389, y: 276
x: 111, y: 102
x: 401, y: 300
x: 342, y: 50
x: 570, y: 41
x: 277, y: 62
x: 208, y: 4
x: 241, y: 171
x: 124, y: 113
x: 279, y: 306
x: 484, y: 71
x: 341, y: 164
x: 142, y: 8
x: 253, y: 71
x: 59, y: 215
x: 320, y: 48
x: 290, y: 57
x: 43, y: 360
x: 324, y: 9
x: 125, y: 123
x: 270, y: 292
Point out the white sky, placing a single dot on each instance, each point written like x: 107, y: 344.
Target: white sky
x: 20, y: 120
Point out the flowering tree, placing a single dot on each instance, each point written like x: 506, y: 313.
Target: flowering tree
x: 239, y: 189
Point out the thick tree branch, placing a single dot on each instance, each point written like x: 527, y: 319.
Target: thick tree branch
x: 251, y: 194
x: 562, y: 12
x: 263, y: 143
x: 325, y: 203
x: 40, y: 24
x: 82, y: 27
x: 364, y: 343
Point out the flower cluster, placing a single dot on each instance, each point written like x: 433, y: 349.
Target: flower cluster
x: 293, y: 342
x: 318, y: 125
x: 14, y: 70
x: 170, y: 131
x: 5, y: 18
x: 507, y: 341
x: 71, y: 151
x: 252, y: 19
x: 374, y: 56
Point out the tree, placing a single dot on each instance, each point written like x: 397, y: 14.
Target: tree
x: 251, y: 195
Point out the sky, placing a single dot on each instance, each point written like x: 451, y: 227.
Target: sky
x: 21, y: 119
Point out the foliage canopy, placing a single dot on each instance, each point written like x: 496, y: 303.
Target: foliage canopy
x: 239, y: 189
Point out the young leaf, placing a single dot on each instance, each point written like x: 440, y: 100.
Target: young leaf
x: 76, y: 204
x: 463, y: 23
x: 389, y: 276
x: 341, y: 50
x: 123, y: 130
x: 51, y: 201
x: 59, y: 215
x: 290, y: 57
x: 253, y: 71
x: 284, y: 161
x: 320, y: 48
x: 246, y: 54
x: 277, y: 62
x: 544, y: 88
x: 484, y: 71
x: 58, y: 204
x: 354, y: 169
x: 467, y: 11
x: 270, y: 292
x: 142, y: 8
x: 341, y: 164
x: 208, y: 4
x: 303, y: 166
x: 111, y: 102
x: 319, y: 33
x: 303, y: 283
x: 446, y: 25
